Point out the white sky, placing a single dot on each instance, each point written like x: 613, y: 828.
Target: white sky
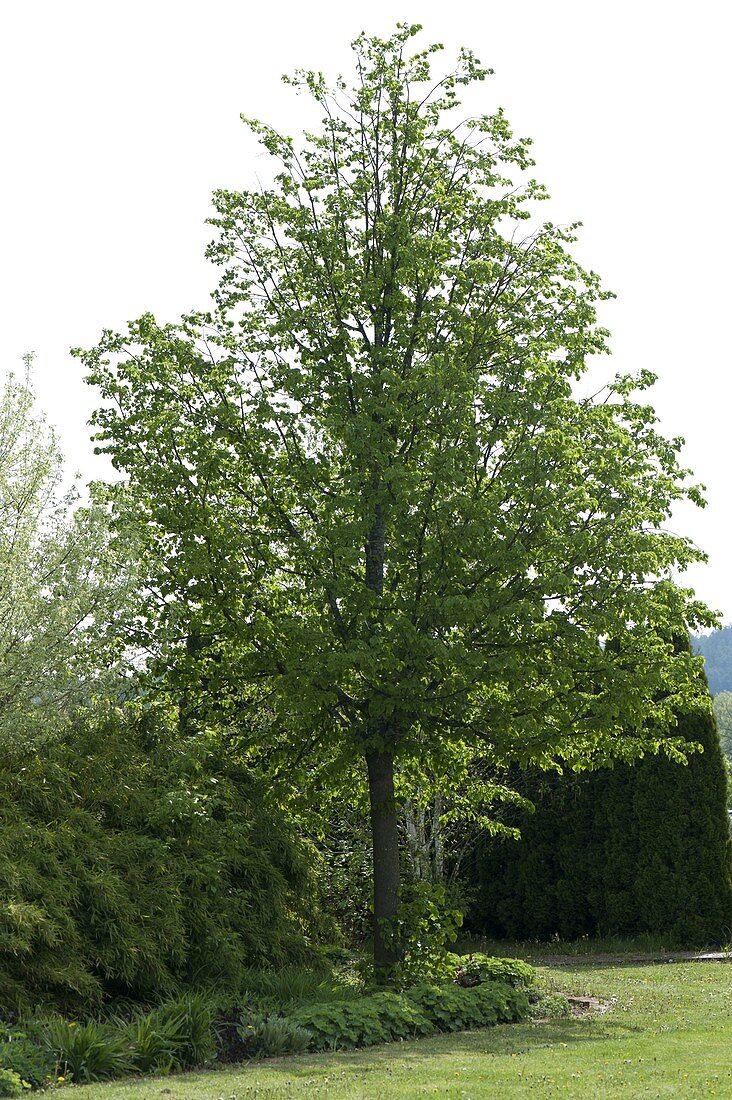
x: 117, y: 120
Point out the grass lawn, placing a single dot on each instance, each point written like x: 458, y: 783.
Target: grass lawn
x: 669, y: 1034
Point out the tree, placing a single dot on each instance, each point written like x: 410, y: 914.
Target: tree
x: 378, y: 511
x: 642, y: 848
x: 62, y: 588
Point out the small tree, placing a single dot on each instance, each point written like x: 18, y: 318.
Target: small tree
x: 61, y: 587
x: 376, y: 507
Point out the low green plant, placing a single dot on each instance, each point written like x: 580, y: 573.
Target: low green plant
x: 550, y: 1006
x: 23, y: 1052
x: 476, y: 969
x: 188, y: 1021
x: 379, y: 1018
x: 153, y: 1043
x: 421, y: 1010
x: 11, y: 1084
x: 88, y: 1052
x: 454, y: 1008
x: 268, y: 1036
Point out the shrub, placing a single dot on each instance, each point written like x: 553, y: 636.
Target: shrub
x: 189, y: 1020
x: 425, y: 924
x: 384, y: 1017
x: 550, y: 1006
x: 11, y: 1084
x: 268, y: 1036
x: 628, y: 851
x: 133, y: 859
x: 380, y: 1018
x: 476, y: 969
x: 21, y: 1051
x: 88, y: 1052
x: 153, y: 1043
x: 454, y: 1008
x: 288, y: 986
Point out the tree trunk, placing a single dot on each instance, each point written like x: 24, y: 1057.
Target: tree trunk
x: 385, y: 837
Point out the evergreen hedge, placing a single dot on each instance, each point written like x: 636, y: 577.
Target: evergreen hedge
x: 635, y: 849
x: 135, y: 861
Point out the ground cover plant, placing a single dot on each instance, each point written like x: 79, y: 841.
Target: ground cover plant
x: 668, y: 1034
x: 272, y: 1016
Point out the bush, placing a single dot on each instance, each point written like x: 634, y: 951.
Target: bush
x: 550, y: 1006
x: 10, y: 1083
x: 23, y: 1053
x: 190, y: 1020
x: 152, y: 1043
x: 380, y: 1018
x: 133, y: 860
x: 88, y: 1052
x: 475, y: 969
x: 633, y: 850
x: 290, y: 986
x: 421, y: 1010
x: 454, y: 1008
x: 268, y: 1036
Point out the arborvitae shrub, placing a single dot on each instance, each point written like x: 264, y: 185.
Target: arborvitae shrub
x: 632, y: 850
x: 135, y: 861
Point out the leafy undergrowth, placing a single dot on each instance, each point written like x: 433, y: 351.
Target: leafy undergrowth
x: 285, y: 1012
x: 668, y: 1035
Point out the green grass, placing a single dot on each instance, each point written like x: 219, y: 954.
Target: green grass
x: 532, y: 950
x: 669, y: 1034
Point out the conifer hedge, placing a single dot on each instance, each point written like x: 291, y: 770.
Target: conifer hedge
x: 635, y: 849
x: 135, y: 861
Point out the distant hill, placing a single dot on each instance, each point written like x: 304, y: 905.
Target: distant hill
x: 716, y: 649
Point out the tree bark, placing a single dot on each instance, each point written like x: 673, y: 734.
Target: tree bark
x: 385, y: 839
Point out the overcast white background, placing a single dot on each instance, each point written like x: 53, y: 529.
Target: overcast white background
x: 117, y: 120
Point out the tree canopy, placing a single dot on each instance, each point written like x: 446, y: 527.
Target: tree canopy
x: 377, y: 509
x: 61, y: 587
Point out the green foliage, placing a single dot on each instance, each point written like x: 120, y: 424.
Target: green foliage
x: 62, y: 587
x: 152, y: 1042
x: 135, y: 859
x: 11, y: 1084
x: 190, y: 1019
x: 633, y: 850
x: 268, y: 1036
x: 550, y: 1006
x: 453, y: 1007
x: 366, y: 483
x: 723, y: 715
x: 88, y: 1052
x: 379, y: 1018
x: 288, y: 986
x: 424, y: 926
x: 21, y: 1051
x: 420, y: 1010
x: 177, y: 1035
x: 475, y: 969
